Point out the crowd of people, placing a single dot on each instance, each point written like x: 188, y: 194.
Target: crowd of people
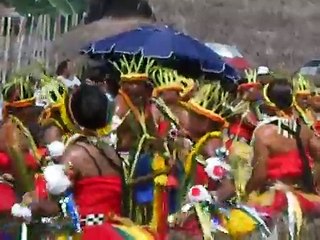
x: 143, y: 152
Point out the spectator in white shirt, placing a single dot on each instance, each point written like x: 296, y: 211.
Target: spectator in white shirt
x: 65, y: 74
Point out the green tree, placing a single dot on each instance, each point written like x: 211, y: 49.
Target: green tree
x: 52, y: 7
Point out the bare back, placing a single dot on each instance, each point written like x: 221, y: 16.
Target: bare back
x: 278, y: 144
x: 267, y: 143
x: 90, y: 161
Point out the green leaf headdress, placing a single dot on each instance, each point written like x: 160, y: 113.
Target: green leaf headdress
x: 18, y: 92
x: 136, y: 69
x: 165, y: 79
x: 301, y: 85
x: 251, y: 76
x: 53, y: 92
x: 209, y: 101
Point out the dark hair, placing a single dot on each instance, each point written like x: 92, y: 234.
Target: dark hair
x: 62, y: 66
x: 280, y: 93
x: 89, y: 106
x: 105, y: 73
x: 36, y: 131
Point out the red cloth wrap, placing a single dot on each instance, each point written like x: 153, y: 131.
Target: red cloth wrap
x: 162, y: 228
x: 285, y: 165
x: 8, y: 198
x: 40, y: 187
x: 280, y: 204
x: 5, y: 162
x: 7, y: 193
x: 163, y: 128
x: 96, y: 195
x: 241, y: 130
x: 316, y: 126
x: 202, y: 178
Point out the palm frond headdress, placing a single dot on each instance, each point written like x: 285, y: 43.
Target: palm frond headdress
x: 214, y: 103
x: 136, y: 69
x: 251, y: 76
x: 18, y: 92
x: 54, y: 93
x: 165, y: 79
x: 301, y: 85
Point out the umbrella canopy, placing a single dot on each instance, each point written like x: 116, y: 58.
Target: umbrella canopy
x: 230, y: 54
x: 163, y: 42
x: 238, y: 63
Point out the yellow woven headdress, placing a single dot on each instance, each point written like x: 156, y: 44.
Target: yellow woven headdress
x: 212, y: 102
x: 136, y: 69
x: 301, y: 85
x: 165, y: 79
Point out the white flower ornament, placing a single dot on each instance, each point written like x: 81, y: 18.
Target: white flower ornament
x: 57, y: 181
x: 216, y: 168
x: 21, y: 211
x: 56, y: 149
x: 199, y: 193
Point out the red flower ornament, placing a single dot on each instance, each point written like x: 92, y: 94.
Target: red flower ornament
x: 217, y: 169
x: 199, y: 193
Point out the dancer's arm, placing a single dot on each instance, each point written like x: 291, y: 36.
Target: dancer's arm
x: 45, y: 208
x: 260, y: 156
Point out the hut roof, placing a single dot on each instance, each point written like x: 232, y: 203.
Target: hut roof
x: 69, y: 44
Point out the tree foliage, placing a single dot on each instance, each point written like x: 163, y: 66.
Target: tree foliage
x: 53, y: 7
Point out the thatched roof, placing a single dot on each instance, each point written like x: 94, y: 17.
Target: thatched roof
x: 69, y: 44
x: 7, y: 12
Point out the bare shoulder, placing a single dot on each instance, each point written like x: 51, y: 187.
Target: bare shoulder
x: 306, y: 131
x: 265, y: 133
x: 73, y: 154
x: 121, y: 106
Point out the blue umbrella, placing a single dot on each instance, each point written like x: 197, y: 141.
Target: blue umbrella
x: 163, y: 43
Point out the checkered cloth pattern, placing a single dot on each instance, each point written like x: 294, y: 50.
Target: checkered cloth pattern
x: 92, y: 220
